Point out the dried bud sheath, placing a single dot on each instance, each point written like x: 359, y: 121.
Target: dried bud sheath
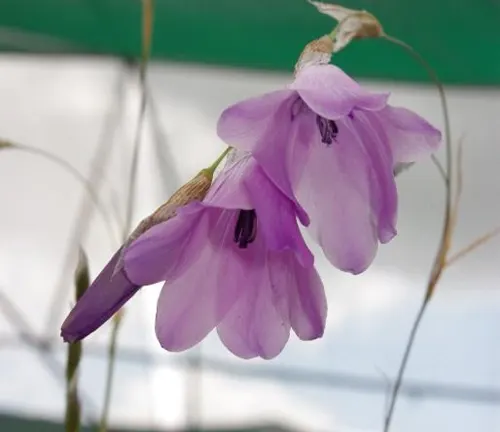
x: 352, y: 24
x: 317, y: 52
x: 195, y: 189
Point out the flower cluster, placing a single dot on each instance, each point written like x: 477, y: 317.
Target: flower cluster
x: 321, y: 152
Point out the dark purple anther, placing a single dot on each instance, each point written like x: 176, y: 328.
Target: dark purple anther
x: 328, y: 130
x: 246, y: 228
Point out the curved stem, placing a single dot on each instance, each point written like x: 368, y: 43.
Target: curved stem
x: 100, y: 159
x: 442, y: 95
x: 117, y: 319
x: 440, y: 260
x: 333, y: 34
x: 472, y: 246
x: 404, y: 362
x: 439, y: 167
x: 73, y: 406
x: 147, y: 31
x: 132, y: 180
x: 75, y: 174
x: 211, y: 169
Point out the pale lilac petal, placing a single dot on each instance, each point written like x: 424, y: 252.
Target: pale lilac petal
x: 167, y: 249
x: 265, y: 127
x: 244, y: 185
x: 191, y: 305
x: 332, y: 94
x: 306, y: 295
x: 384, y: 195
x: 258, y: 325
x: 276, y: 216
x: 335, y: 190
x: 226, y: 190
x: 105, y: 296
x: 246, y: 122
x: 410, y: 136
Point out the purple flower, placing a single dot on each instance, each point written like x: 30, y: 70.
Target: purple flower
x: 331, y: 147
x: 235, y: 261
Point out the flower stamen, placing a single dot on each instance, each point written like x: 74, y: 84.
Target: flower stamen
x: 328, y: 130
x: 246, y: 228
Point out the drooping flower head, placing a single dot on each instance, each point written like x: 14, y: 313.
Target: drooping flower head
x: 235, y: 261
x: 331, y: 146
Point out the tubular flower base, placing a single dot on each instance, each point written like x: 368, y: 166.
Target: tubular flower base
x: 332, y: 148
x: 235, y: 261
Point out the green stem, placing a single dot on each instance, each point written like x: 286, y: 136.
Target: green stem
x: 117, y: 320
x: 132, y: 181
x: 73, y: 409
x: 333, y: 34
x: 440, y: 259
x: 403, y: 364
x: 444, y: 106
x: 211, y: 169
x: 440, y: 168
x: 147, y: 32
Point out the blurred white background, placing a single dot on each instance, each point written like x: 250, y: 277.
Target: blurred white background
x: 75, y: 108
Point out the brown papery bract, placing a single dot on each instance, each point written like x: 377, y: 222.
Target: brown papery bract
x: 195, y: 189
x: 317, y: 52
x: 352, y: 24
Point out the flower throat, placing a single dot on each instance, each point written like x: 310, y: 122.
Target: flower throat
x: 246, y: 228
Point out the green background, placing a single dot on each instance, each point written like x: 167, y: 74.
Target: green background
x: 460, y: 38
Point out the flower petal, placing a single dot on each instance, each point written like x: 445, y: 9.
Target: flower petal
x: 227, y: 190
x: 105, y: 296
x: 258, y: 325
x: 335, y: 189
x: 192, y: 304
x: 410, y: 136
x: 246, y: 122
x: 332, y: 94
x: 308, y: 305
x: 383, y: 193
x: 168, y: 249
x: 263, y: 126
x: 276, y: 216
x: 244, y: 185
